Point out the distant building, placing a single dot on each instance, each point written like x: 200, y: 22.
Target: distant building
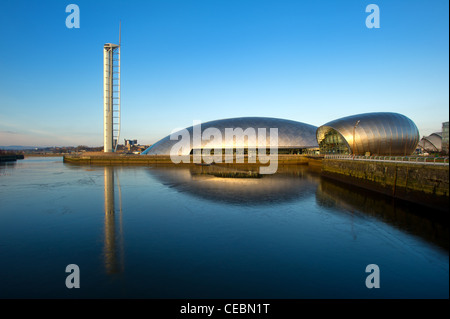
x: 130, y: 142
x: 445, y: 138
x: 431, y: 143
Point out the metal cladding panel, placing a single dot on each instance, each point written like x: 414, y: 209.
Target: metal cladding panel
x: 291, y: 134
x: 381, y: 133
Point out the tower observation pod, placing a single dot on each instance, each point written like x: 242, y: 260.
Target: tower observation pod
x: 111, y: 96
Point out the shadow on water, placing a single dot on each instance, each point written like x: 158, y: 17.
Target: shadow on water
x: 426, y: 223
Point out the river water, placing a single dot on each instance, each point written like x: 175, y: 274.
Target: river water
x: 143, y: 232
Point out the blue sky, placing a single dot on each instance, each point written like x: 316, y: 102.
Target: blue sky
x: 309, y: 61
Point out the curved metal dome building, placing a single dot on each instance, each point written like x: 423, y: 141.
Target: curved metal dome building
x: 293, y: 137
x: 379, y: 133
x: 432, y: 142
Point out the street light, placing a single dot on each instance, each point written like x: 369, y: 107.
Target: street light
x: 354, y: 128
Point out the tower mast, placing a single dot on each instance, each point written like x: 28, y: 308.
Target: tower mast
x: 111, y: 95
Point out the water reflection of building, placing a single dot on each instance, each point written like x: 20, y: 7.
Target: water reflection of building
x: 287, y: 185
x: 426, y: 224
x: 113, y: 235
x: 5, y: 166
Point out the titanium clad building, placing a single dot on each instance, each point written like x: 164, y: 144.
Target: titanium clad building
x: 379, y: 133
x: 293, y: 137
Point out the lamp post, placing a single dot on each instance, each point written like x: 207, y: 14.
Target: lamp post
x: 354, y: 128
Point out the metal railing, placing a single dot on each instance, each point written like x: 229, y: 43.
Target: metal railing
x: 394, y: 159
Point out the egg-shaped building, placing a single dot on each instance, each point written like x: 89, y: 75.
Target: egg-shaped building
x: 293, y: 137
x: 379, y: 133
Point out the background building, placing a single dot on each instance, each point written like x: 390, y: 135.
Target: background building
x: 445, y: 138
x: 431, y: 143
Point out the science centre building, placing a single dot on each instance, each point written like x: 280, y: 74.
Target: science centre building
x: 293, y: 137
x: 379, y: 133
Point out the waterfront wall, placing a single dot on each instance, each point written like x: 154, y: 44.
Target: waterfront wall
x: 156, y: 160
x: 419, y: 183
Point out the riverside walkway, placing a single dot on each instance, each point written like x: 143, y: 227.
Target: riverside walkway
x: 422, y: 160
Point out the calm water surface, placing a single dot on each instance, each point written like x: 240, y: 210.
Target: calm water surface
x: 142, y: 232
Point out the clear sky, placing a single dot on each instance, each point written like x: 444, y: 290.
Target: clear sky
x: 186, y: 60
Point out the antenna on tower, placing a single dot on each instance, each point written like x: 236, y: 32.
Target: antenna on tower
x: 120, y: 29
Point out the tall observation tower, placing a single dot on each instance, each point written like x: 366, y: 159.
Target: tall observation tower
x: 111, y: 96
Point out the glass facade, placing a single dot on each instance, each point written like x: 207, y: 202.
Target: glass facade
x: 333, y: 143
x: 255, y: 151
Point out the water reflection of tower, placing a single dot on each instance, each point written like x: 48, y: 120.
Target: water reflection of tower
x: 113, y: 238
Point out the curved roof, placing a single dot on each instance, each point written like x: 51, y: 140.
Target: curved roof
x: 378, y: 133
x: 291, y: 134
x: 432, y: 142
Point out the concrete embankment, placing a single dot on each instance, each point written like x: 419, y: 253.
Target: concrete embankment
x: 156, y: 160
x: 418, y: 183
